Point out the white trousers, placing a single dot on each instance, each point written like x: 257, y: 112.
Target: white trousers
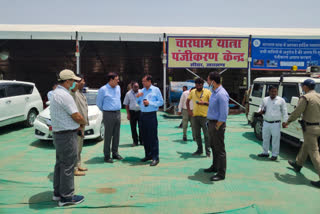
x: 268, y: 130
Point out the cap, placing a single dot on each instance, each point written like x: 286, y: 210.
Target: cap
x: 67, y: 74
x: 309, y: 82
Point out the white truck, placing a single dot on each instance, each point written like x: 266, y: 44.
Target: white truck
x: 290, y: 89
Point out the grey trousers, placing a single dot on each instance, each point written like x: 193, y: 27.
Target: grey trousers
x: 199, y: 123
x: 112, y: 122
x: 66, y: 144
x: 80, y: 145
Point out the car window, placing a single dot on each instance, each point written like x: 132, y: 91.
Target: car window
x: 268, y: 86
x: 290, y: 91
x: 28, y: 89
x: 317, y: 88
x: 91, y: 97
x: 257, y: 90
x: 15, y: 90
x: 3, y: 91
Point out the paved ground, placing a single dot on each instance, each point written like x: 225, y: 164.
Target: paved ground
x: 176, y: 185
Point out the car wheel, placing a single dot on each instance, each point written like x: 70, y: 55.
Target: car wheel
x: 32, y: 115
x: 101, y: 137
x: 258, y: 128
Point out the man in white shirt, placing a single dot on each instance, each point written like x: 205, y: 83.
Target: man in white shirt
x: 182, y: 109
x: 133, y: 112
x: 273, y: 109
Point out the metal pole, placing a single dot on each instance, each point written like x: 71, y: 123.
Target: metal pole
x: 164, y: 61
x: 206, y: 81
x: 249, y: 63
x: 78, y: 53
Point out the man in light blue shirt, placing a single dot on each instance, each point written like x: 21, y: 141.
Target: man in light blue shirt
x: 149, y: 100
x: 109, y: 102
x: 217, y: 116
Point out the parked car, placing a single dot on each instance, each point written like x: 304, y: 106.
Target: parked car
x: 290, y: 89
x: 19, y: 101
x: 95, y: 130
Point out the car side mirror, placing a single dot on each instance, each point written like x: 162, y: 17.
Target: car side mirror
x: 294, y: 101
x: 47, y: 103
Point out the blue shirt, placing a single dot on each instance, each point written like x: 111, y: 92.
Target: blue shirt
x: 154, y: 96
x: 218, y: 105
x: 108, y: 98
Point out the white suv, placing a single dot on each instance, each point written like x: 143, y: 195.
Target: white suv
x: 19, y: 101
x: 289, y: 88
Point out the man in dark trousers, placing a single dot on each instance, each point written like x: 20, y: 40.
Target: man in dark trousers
x: 150, y: 99
x: 133, y: 112
x: 217, y: 116
x: 109, y: 102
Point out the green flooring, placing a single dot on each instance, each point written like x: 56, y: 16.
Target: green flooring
x: 177, y: 185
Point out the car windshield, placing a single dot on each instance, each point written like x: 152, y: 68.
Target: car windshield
x: 91, y: 97
x: 317, y: 88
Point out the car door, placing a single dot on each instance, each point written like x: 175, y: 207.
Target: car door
x: 16, y: 102
x: 288, y: 91
x: 256, y: 98
x: 4, y: 104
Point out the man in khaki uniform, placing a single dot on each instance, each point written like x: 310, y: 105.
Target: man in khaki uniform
x: 82, y: 105
x: 245, y: 101
x: 200, y: 98
x: 309, y: 107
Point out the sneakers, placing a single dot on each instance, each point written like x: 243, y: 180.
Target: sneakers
x: 197, y: 153
x: 56, y: 198
x: 315, y: 183
x: 274, y: 158
x: 262, y: 155
x: 76, y: 199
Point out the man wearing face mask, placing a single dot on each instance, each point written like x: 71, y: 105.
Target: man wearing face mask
x: 82, y: 105
x: 109, y: 102
x: 66, y: 121
x: 200, y: 98
x: 309, y: 107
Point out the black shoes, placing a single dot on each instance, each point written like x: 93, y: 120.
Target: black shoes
x: 262, y: 155
x: 184, y: 139
x: 145, y: 159
x: 134, y: 144
x: 296, y: 167
x: 117, y: 156
x: 154, y: 163
x: 315, y: 183
x: 274, y: 158
x: 108, y: 160
x: 197, y: 153
x: 208, y: 154
x: 210, y: 169
x: 217, y: 178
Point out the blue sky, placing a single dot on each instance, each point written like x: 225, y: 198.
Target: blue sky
x: 211, y: 13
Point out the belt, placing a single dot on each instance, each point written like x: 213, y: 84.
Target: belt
x: 65, y: 131
x: 276, y: 121
x: 112, y: 111
x: 312, y: 124
x: 146, y: 113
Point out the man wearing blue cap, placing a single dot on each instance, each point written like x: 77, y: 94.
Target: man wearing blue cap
x: 309, y: 107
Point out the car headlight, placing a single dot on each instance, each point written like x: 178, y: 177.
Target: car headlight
x: 44, y: 120
x: 93, y: 117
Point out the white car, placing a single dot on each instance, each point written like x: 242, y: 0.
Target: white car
x: 95, y: 130
x: 19, y: 101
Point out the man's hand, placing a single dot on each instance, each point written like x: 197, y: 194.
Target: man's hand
x: 200, y: 102
x: 145, y: 102
x: 81, y: 128
x: 128, y: 116
x: 140, y: 94
x: 179, y: 113
x: 285, y: 125
x: 218, y: 124
x: 190, y: 113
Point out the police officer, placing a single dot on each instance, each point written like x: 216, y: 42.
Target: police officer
x: 309, y: 107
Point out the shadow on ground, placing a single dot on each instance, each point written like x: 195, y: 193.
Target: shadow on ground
x: 201, y: 176
x: 43, y: 144
x: 126, y: 145
x: 298, y: 179
x: 90, y: 142
x: 50, y: 176
x: 95, y: 160
x: 133, y: 161
x: 11, y: 128
x: 187, y: 155
x: 42, y: 200
x: 104, y: 207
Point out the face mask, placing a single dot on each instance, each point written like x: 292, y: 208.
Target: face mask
x: 73, y: 86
